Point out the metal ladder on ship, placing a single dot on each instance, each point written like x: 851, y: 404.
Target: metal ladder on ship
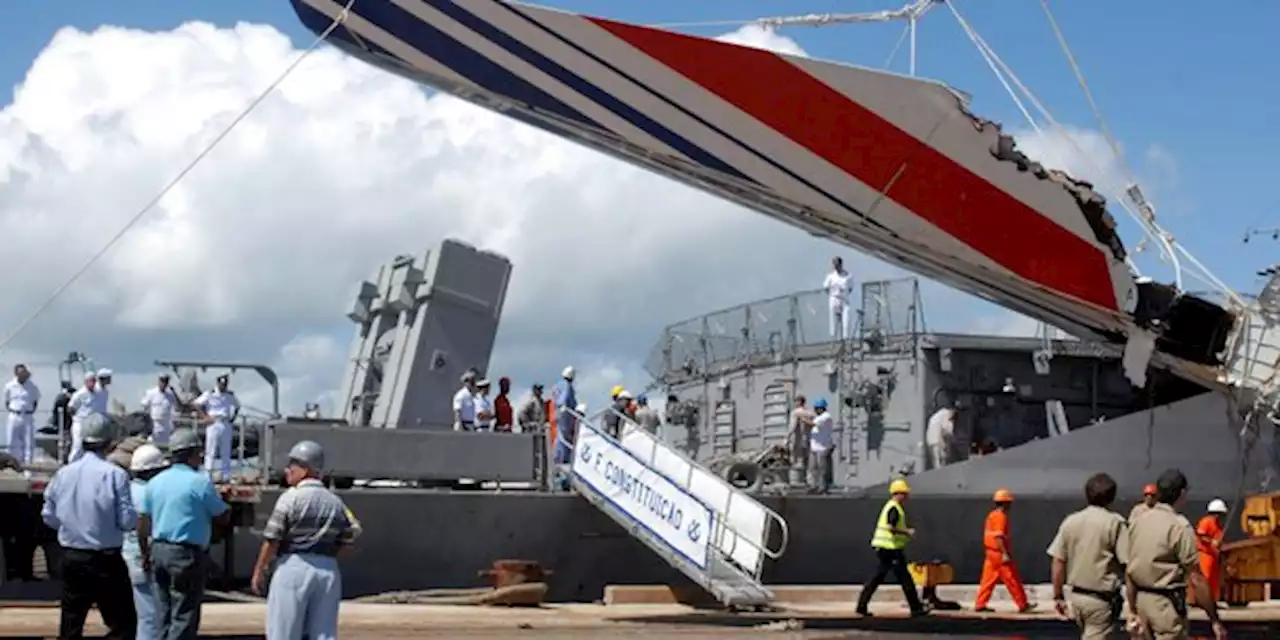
x: 727, y: 557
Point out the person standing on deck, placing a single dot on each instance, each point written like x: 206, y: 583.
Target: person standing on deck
x: 179, y: 509
x: 218, y: 409
x: 646, y: 416
x: 939, y: 434
x: 464, y: 404
x: 308, y: 529
x: 890, y: 542
x: 801, y: 424
x: 87, y: 401
x: 1089, y: 553
x: 484, y: 406
x: 998, y: 565
x: 1148, y: 501
x: 21, y: 398
x: 146, y: 461
x: 159, y: 402
x: 533, y: 412
x: 839, y: 286
x: 1209, y: 533
x: 88, y: 503
x: 502, y: 414
x: 566, y: 424
x: 104, y: 383
x: 1162, y: 562
x: 821, y: 448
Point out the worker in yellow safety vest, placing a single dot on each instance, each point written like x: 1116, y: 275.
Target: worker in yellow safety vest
x: 890, y: 542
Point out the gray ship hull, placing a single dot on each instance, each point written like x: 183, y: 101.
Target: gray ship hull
x: 441, y: 540
x: 423, y: 540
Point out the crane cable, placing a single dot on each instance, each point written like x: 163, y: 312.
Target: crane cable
x: 151, y: 204
x: 994, y: 60
x: 1206, y: 275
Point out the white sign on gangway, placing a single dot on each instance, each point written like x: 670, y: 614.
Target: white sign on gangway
x: 667, y: 511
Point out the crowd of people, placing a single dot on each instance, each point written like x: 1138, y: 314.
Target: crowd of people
x: 216, y: 408
x: 1137, y: 568
x: 135, y: 530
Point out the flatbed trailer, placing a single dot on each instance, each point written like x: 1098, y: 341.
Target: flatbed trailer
x: 27, y: 539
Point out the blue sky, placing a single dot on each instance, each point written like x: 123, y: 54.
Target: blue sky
x: 1171, y: 75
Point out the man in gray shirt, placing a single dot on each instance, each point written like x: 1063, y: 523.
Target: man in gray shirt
x: 307, y: 530
x: 647, y: 416
x: 798, y: 441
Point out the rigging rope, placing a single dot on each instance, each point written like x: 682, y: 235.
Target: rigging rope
x: 993, y: 60
x: 1088, y: 94
x: 137, y: 217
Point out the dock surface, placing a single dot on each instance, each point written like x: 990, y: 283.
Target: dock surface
x: 571, y: 621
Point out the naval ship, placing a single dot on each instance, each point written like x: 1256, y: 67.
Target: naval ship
x: 1154, y: 377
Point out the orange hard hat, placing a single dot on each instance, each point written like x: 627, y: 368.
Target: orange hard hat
x: 1149, y: 490
x: 1003, y: 495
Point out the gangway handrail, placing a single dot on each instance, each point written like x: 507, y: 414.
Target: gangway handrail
x: 721, y: 516
x: 774, y: 515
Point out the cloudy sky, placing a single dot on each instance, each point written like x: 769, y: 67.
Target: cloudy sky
x: 254, y: 257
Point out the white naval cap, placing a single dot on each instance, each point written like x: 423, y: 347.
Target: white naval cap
x: 104, y: 373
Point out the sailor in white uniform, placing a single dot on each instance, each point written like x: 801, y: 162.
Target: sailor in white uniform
x: 220, y: 408
x: 86, y: 401
x: 160, y: 402
x: 20, y: 399
x: 839, y: 286
x: 939, y: 433
x: 104, y: 386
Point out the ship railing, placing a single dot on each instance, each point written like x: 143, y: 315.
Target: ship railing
x: 742, y: 524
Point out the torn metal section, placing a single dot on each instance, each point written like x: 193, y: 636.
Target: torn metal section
x: 1092, y: 204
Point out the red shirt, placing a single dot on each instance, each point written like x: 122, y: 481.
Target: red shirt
x: 502, y: 412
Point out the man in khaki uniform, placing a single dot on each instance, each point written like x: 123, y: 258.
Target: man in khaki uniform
x: 1163, y: 559
x: 1148, y: 501
x: 1089, y: 553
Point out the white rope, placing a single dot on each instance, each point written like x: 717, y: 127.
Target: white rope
x: 1088, y: 94
x: 994, y: 60
x: 906, y: 31
x: 137, y: 217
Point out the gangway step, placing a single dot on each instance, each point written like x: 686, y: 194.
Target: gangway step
x: 665, y: 513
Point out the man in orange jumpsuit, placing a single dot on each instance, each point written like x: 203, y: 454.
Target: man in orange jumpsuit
x: 1209, y: 532
x: 997, y: 565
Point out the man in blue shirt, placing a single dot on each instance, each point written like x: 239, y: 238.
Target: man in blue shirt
x: 178, y: 510
x: 89, y: 504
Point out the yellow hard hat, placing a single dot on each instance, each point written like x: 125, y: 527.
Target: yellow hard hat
x: 899, y: 486
x: 1002, y: 495
x: 617, y: 390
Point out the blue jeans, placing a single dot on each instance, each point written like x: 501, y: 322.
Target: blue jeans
x: 147, y: 606
x: 303, y: 598
x: 179, y: 573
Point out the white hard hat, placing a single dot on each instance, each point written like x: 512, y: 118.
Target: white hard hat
x: 625, y: 395
x: 104, y: 373
x: 147, y: 457
x: 567, y: 374
x: 1217, y: 506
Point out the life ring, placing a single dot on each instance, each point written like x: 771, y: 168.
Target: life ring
x: 747, y: 476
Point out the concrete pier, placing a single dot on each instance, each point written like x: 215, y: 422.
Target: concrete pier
x: 595, y: 621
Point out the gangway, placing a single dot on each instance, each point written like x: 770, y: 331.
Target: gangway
x: 712, y: 532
